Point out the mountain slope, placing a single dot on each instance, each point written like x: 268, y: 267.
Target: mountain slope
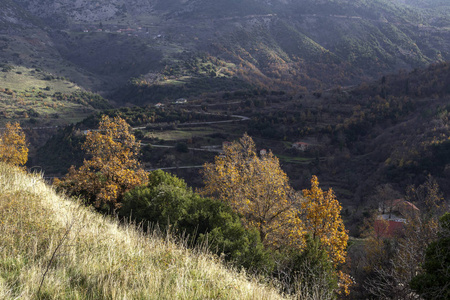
x: 67, y: 251
x: 278, y: 44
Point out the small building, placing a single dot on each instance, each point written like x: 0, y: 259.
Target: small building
x: 301, y: 146
x: 262, y: 152
x: 159, y: 104
x: 388, y: 227
x: 393, y: 214
x: 181, y: 101
x: 398, y: 207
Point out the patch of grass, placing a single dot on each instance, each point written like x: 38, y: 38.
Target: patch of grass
x: 27, y: 93
x: 176, y: 135
x: 22, y: 79
x: 295, y: 159
x: 100, y: 258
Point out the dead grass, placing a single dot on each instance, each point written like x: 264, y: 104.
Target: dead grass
x: 99, y: 259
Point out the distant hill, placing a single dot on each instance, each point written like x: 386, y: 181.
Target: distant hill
x: 53, y: 247
x: 284, y: 44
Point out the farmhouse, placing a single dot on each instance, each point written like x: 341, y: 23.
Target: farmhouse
x: 393, y: 214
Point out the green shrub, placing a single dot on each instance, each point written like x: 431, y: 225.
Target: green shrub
x: 314, y: 271
x: 168, y: 202
x: 433, y: 282
x: 182, y: 147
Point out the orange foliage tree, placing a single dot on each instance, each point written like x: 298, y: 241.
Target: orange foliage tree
x: 112, y: 169
x: 257, y: 189
x: 323, y: 221
x: 13, y: 146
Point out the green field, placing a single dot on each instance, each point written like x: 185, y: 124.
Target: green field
x: 36, y: 97
x: 181, y: 134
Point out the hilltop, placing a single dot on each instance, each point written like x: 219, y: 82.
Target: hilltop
x: 65, y: 250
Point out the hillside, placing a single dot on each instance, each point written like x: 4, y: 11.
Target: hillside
x: 66, y: 251
x: 288, y: 45
x: 392, y: 130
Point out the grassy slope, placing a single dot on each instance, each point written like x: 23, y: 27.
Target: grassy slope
x: 99, y: 259
x: 31, y: 93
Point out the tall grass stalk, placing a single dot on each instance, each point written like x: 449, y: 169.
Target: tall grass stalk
x: 99, y: 258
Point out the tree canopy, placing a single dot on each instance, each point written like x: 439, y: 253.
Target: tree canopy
x: 13, y: 145
x: 257, y: 189
x: 167, y: 201
x: 112, y: 168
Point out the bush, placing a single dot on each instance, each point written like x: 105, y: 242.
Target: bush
x: 168, y: 202
x: 314, y: 272
x: 433, y: 282
x: 181, y: 147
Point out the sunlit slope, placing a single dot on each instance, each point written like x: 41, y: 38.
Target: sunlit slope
x: 87, y: 256
x: 35, y: 97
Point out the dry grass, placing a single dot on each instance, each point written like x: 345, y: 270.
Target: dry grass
x: 99, y: 259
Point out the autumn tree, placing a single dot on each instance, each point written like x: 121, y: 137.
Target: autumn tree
x: 322, y: 220
x: 257, y: 189
x: 112, y: 168
x: 13, y: 146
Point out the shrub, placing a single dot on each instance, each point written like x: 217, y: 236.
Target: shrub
x: 167, y: 201
x: 181, y: 147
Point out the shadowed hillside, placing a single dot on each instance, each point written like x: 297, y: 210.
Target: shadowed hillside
x: 271, y: 44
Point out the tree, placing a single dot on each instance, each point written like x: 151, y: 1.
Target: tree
x: 167, y: 201
x: 392, y: 264
x: 428, y: 196
x: 400, y: 260
x: 13, y: 146
x: 257, y: 189
x: 323, y: 221
x: 112, y: 168
x: 434, y: 282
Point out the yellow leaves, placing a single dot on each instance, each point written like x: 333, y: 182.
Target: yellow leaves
x: 13, y: 146
x: 258, y: 190
x: 323, y: 221
x: 112, y: 169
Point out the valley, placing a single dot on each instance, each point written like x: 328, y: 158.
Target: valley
x: 356, y: 93
x: 297, y: 71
